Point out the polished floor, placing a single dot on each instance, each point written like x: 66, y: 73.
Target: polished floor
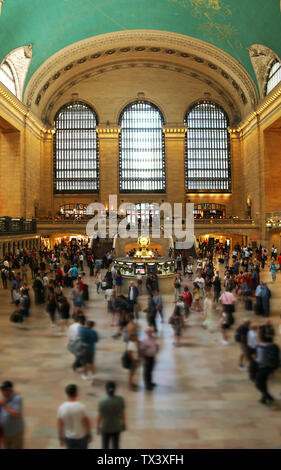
x: 201, y: 400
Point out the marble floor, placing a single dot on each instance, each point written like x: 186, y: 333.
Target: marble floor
x: 201, y: 400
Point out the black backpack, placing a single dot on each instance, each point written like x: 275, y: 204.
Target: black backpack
x: 271, y: 357
x: 237, y: 336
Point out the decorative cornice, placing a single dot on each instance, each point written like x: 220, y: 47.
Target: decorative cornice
x: 174, y: 132
x: 261, y: 58
x: 22, y: 113
x: 226, y: 98
x: 151, y: 41
x: 1, y: 2
x: 260, y: 111
x: 108, y: 132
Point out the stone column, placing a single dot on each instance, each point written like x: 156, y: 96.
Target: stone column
x: 175, y: 163
x: 46, y: 175
x: 108, y: 161
x: 237, y: 175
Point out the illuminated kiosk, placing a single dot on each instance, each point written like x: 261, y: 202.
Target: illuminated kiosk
x: 145, y: 262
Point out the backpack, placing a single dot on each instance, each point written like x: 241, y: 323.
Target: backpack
x: 271, y: 356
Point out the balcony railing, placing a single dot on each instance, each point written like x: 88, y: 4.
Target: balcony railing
x: 11, y: 226
x: 84, y: 220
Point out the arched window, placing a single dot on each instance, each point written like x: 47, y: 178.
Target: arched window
x: 207, y: 149
x: 7, y: 77
x: 274, y: 77
x: 141, y: 149
x: 76, y: 168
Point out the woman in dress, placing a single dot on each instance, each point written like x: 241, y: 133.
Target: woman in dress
x: 211, y: 321
x: 132, y: 349
x: 176, y: 321
x: 177, y: 285
x: 118, y: 282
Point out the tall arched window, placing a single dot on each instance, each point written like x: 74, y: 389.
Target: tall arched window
x: 207, y: 149
x: 141, y: 149
x: 274, y: 76
x: 76, y: 168
x: 7, y: 77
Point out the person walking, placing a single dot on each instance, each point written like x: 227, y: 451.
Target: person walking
x: 51, y: 307
x: 89, y: 337
x: 148, y: 349
x: 74, y: 427
x: 217, y: 288
x: 268, y: 359
x: 252, y: 341
x: 273, y: 271
x: 11, y: 419
x: 111, y: 417
x: 64, y: 308
x: 159, y: 304
x: 228, y: 300
x: 132, y: 297
x: 210, y: 321
x: 177, y: 285
x: 151, y: 312
x: 177, y: 322
x: 74, y: 343
x: 241, y: 338
x: 133, y: 352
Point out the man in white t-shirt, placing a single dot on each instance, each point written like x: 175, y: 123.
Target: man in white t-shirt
x: 73, y: 336
x: 74, y: 427
x: 200, y: 281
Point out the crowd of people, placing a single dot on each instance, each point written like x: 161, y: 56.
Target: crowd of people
x: 209, y: 288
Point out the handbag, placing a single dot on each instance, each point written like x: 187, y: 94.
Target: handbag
x: 16, y: 317
x: 126, y: 360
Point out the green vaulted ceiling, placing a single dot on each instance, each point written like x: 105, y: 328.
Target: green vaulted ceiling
x: 50, y: 25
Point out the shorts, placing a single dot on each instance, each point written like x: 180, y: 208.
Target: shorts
x: 89, y: 358
x: 225, y: 326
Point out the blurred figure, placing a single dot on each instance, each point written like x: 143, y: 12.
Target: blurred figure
x: 111, y: 417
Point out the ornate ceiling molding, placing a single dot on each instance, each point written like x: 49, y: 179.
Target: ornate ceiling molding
x: 99, y: 48
x: 261, y: 58
x: 226, y: 97
x: 19, y: 60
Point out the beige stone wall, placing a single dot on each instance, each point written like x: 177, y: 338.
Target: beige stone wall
x: 11, y: 179
x: 272, y: 170
x: 21, y: 151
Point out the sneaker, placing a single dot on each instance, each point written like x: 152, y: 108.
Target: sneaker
x: 225, y: 343
x: 270, y: 397
x: 84, y: 377
x: 240, y: 367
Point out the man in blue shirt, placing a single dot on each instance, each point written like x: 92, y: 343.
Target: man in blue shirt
x: 11, y: 420
x: 89, y: 337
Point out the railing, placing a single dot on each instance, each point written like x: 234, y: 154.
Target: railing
x: 11, y: 226
x: 196, y: 221
x: 225, y: 221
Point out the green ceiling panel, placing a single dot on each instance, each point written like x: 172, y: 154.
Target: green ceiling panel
x: 50, y: 25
